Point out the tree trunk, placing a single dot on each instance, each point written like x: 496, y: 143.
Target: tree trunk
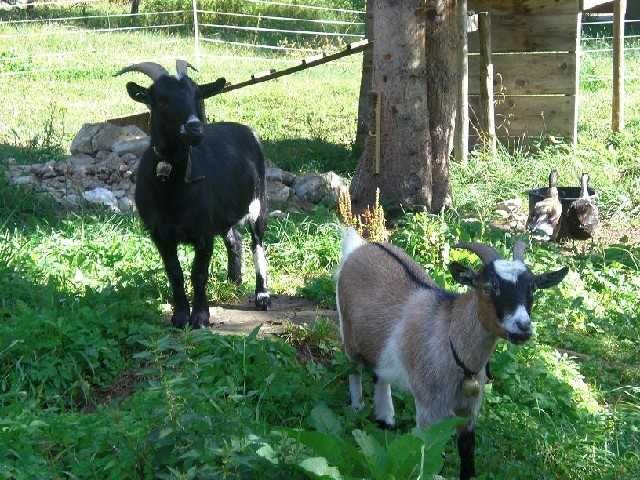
x: 414, y: 70
x: 364, y: 103
x: 135, y: 4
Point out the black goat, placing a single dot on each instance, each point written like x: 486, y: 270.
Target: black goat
x: 196, y: 181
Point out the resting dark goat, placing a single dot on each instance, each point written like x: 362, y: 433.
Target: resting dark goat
x: 197, y: 181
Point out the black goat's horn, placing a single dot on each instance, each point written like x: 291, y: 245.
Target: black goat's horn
x: 182, y: 66
x: 518, y: 250
x: 151, y: 69
x: 486, y: 253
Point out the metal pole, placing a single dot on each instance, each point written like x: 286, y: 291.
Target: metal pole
x: 196, y: 32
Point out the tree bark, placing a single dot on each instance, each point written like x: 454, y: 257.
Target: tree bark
x: 364, y: 103
x: 135, y: 4
x: 414, y: 70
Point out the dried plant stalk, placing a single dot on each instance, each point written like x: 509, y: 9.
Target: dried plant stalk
x: 370, y: 224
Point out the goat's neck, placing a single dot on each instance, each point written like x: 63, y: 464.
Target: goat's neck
x: 473, y: 341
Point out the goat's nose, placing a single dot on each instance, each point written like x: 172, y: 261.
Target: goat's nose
x: 193, y: 128
x: 524, y: 325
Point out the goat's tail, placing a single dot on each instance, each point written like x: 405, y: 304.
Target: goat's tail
x: 351, y: 240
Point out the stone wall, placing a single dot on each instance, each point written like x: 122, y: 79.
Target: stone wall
x: 102, y: 170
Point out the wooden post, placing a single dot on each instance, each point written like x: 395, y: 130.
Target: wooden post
x: 620, y: 10
x: 486, y: 82
x: 461, y: 146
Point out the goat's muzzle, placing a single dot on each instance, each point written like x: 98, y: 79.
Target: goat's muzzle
x: 192, y: 132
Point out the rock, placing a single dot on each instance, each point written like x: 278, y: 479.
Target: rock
x: 48, y: 171
x: 273, y: 174
x: 118, y: 193
x: 309, y: 188
x: 80, y: 160
x: 136, y: 146
x: 10, y: 161
x: 23, y: 180
x: 102, y: 154
x: 324, y: 188
x: 125, y: 205
x: 334, y: 184
x: 83, y: 141
x: 509, y: 206
x: 278, y: 193
x: 101, y: 196
x: 72, y: 200
x: 288, y: 178
x: 109, y: 135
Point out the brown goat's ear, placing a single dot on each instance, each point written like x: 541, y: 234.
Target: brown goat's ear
x: 462, y: 274
x: 550, y: 279
x: 138, y: 93
x: 210, y: 89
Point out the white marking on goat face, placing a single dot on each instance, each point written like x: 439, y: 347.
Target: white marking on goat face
x: 518, y: 322
x: 192, y: 119
x: 508, y: 270
x: 254, y: 210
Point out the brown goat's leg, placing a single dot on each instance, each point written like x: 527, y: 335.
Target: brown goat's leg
x: 199, y: 277
x: 466, y: 450
x: 169, y: 252
x: 233, y: 243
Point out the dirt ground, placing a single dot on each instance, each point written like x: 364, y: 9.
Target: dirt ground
x: 241, y: 318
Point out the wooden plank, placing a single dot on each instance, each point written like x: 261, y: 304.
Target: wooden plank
x: 528, y: 74
x: 535, y: 33
x: 461, y: 137
x: 487, y: 117
x: 530, y: 115
x: 575, y: 112
x: 618, y: 66
x: 526, y: 7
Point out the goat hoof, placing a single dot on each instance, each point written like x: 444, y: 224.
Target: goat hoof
x: 199, y: 319
x: 180, y: 319
x: 263, y: 301
x: 384, y: 425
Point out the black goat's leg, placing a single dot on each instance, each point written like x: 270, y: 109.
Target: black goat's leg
x: 169, y: 252
x: 263, y: 299
x: 199, y: 276
x: 233, y: 242
x: 466, y: 450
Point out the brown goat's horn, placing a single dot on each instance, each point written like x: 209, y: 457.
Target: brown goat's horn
x: 486, y: 253
x: 181, y: 68
x: 518, y: 250
x: 151, y: 69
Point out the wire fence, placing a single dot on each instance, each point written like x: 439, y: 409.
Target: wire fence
x: 275, y: 30
x: 262, y: 29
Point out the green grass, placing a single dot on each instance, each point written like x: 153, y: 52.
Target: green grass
x: 82, y: 299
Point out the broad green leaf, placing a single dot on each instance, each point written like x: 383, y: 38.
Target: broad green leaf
x: 375, y: 455
x: 319, y: 467
x: 266, y: 452
x: 405, y: 454
x: 325, y: 421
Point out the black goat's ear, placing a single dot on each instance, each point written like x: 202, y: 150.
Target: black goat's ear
x: 550, y: 279
x: 138, y: 93
x: 210, y: 89
x: 462, y: 274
